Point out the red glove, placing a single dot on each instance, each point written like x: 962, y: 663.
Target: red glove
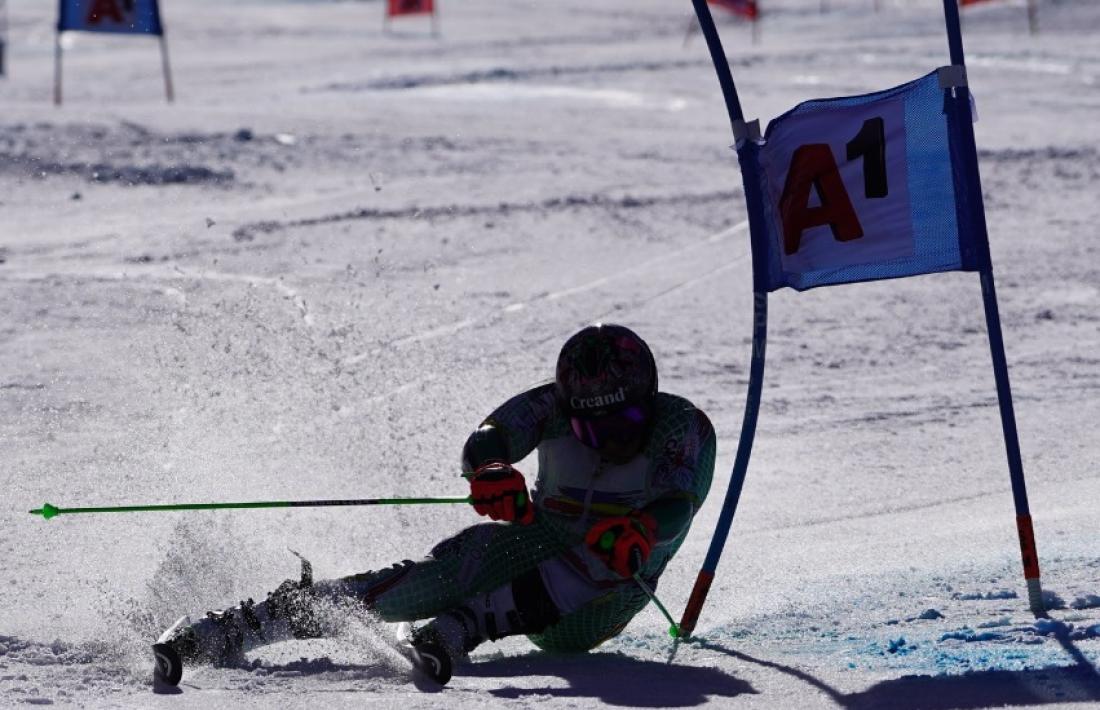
x: 499, y: 491
x: 624, y: 542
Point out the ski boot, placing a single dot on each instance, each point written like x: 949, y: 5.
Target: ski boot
x: 167, y: 663
x: 431, y: 659
x: 223, y: 637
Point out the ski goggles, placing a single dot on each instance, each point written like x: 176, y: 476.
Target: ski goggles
x: 622, y: 426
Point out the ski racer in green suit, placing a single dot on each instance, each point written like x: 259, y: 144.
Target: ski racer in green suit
x: 622, y: 470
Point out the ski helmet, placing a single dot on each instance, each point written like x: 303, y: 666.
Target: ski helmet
x: 606, y: 383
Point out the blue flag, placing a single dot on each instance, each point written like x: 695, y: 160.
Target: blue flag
x: 119, y: 16
x: 863, y: 188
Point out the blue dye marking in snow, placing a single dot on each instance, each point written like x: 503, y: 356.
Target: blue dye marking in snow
x: 1050, y: 627
x: 1051, y: 600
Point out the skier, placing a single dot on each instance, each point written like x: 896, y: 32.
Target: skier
x: 622, y: 471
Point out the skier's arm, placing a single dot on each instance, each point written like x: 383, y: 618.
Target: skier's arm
x: 683, y: 477
x: 511, y: 432
x: 673, y: 515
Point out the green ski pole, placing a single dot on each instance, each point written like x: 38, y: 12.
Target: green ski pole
x: 48, y: 511
x: 674, y: 630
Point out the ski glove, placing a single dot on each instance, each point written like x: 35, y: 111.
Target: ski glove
x: 624, y: 542
x: 500, y: 492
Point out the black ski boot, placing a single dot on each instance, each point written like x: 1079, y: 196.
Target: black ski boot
x: 432, y: 660
x: 167, y: 668
x: 223, y: 637
x: 221, y: 645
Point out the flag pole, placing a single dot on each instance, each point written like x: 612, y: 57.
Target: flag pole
x: 168, y: 92
x: 759, y: 341
x: 976, y: 213
x: 57, y: 69
x: 3, y: 34
x: 692, y: 24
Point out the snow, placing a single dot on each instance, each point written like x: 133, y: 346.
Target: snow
x: 313, y: 275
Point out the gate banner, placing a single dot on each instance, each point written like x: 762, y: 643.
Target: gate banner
x: 118, y: 16
x: 863, y: 188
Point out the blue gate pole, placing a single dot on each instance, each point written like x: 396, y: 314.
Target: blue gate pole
x: 759, y: 343
x: 993, y: 324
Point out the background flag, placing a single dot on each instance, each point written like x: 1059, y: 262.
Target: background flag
x: 410, y: 7
x: 745, y: 8
x: 119, y: 16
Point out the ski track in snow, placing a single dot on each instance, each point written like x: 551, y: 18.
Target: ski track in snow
x: 630, y: 272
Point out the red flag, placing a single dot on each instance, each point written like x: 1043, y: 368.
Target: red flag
x: 970, y: 2
x: 744, y: 8
x: 410, y: 7
x: 104, y: 9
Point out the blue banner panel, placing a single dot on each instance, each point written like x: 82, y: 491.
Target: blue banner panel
x: 118, y: 16
x: 863, y: 188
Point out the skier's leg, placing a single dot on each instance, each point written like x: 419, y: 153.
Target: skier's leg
x: 523, y: 605
x: 556, y: 606
x: 480, y: 558
x: 598, y: 621
x: 534, y: 603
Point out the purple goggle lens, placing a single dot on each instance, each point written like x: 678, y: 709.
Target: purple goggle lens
x: 624, y: 425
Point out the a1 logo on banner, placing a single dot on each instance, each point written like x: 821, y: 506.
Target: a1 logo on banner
x: 838, y: 184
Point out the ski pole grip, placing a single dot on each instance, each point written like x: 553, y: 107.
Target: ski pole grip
x: 695, y: 602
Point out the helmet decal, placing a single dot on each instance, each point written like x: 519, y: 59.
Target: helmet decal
x: 605, y: 368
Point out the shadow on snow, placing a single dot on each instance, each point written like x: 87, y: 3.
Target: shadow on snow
x: 611, y: 678
x: 976, y: 689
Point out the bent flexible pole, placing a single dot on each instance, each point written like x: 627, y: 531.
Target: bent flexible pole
x: 740, y: 467
x: 969, y: 153
x: 759, y: 343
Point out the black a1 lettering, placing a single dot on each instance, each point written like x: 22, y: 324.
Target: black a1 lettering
x: 870, y: 144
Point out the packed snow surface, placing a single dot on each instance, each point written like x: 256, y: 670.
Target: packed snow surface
x: 313, y: 274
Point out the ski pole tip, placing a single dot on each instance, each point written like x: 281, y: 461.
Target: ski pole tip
x: 47, y: 511
x: 674, y: 631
